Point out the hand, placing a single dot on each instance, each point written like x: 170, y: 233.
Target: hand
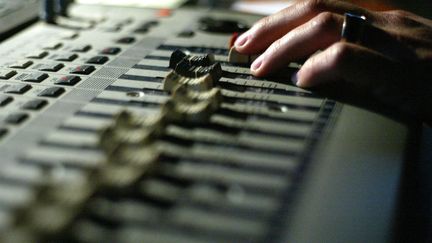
x: 393, y: 61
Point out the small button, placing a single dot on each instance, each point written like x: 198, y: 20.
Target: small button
x: 111, y: 50
x: 111, y: 28
x: 66, y: 57
x: 186, y: 34
x: 123, y: 22
x: 83, y: 69
x: 126, y: 40
x: 3, y: 132
x: 18, y: 89
x: 68, y: 80
x: 53, y: 46
x: 164, y: 12
x: 36, y: 77
x: 98, y: 60
x: 38, y: 55
x: 213, y: 25
x: 4, y: 100
x: 16, y: 119
x: 7, y: 74
x: 82, y: 48
x: 52, y: 92
x: 22, y: 64
x: 35, y: 104
x: 69, y: 36
x: 145, y: 27
x: 51, y: 67
x: 142, y: 30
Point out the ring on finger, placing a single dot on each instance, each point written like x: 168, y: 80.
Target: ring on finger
x: 353, y: 28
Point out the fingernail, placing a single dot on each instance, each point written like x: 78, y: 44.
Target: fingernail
x: 294, y: 78
x: 241, y: 40
x: 257, y: 63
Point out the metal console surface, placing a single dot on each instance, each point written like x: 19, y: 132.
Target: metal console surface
x: 271, y: 163
x: 16, y: 13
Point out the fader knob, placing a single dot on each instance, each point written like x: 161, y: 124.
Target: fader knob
x: 183, y: 95
x: 179, y: 56
x: 172, y: 80
x: 176, y: 57
x: 235, y: 57
x: 214, y: 70
x: 200, y: 84
x: 185, y: 112
x: 184, y: 68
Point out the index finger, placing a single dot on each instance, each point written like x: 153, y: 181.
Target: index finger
x: 273, y: 27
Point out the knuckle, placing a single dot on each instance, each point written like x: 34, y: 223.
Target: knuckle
x: 264, y: 23
x: 339, y: 53
x: 405, y: 18
x: 400, y: 13
x: 398, y: 16
x: 276, y: 46
x: 316, y: 6
x: 325, y: 21
x: 402, y: 20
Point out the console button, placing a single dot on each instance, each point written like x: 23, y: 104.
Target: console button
x: 51, y: 67
x: 68, y: 80
x: 111, y: 28
x: 66, y: 57
x: 18, y: 89
x: 82, y: 48
x: 126, y: 40
x: 111, y: 50
x: 7, y: 74
x: 83, y: 69
x: 70, y: 36
x: 4, y: 100
x: 36, y: 77
x: 145, y: 27
x: 98, y: 60
x: 52, y: 92
x: 35, y: 104
x: 16, y: 119
x: 38, y: 55
x: 186, y: 34
x: 209, y: 24
x: 3, y: 132
x: 22, y: 64
x: 53, y: 46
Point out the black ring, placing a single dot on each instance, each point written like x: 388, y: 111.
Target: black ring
x: 353, y: 28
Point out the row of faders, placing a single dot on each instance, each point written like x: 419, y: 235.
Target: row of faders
x: 154, y: 181
x: 144, y: 132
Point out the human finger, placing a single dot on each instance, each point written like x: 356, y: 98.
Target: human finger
x: 350, y: 63
x: 319, y: 33
x: 273, y: 27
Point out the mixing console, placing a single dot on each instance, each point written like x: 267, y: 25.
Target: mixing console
x: 139, y: 125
